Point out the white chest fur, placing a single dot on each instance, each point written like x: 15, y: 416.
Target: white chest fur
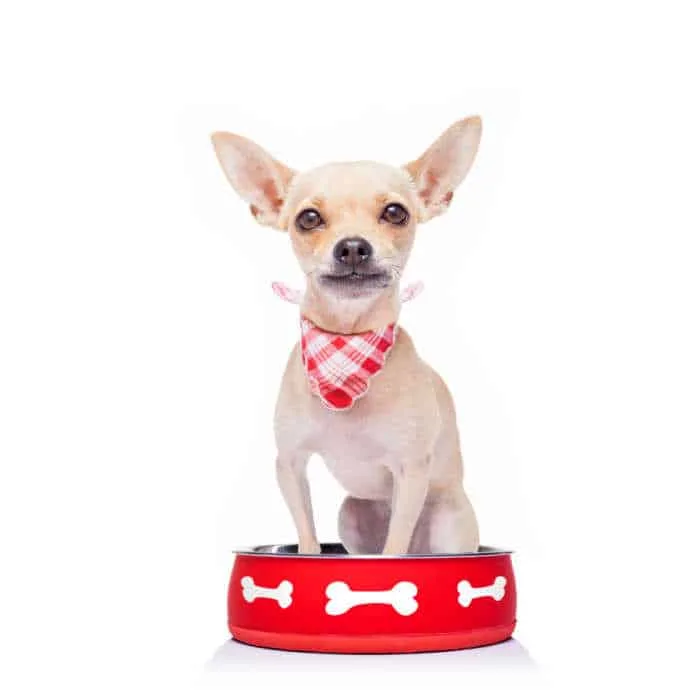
x: 352, y: 448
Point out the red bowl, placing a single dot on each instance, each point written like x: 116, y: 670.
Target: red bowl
x: 337, y: 602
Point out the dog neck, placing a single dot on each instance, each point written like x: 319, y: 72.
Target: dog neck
x: 350, y: 316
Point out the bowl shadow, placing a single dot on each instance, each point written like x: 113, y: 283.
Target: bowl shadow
x: 233, y: 656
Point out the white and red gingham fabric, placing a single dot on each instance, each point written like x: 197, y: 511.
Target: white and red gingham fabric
x: 339, y: 367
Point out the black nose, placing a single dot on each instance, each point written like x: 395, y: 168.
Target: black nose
x: 352, y: 251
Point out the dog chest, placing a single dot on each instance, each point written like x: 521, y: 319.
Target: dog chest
x: 362, y: 478
x: 356, y: 457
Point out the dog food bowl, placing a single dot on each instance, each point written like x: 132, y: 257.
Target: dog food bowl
x: 337, y: 602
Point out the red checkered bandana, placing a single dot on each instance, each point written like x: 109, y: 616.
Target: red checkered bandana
x: 339, y: 367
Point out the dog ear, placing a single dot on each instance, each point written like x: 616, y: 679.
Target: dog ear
x: 441, y: 169
x: 257, y: 177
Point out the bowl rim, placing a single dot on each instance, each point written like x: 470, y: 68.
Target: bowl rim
x: 331, y: 552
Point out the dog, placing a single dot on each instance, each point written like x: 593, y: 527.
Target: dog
x: 355, y: 390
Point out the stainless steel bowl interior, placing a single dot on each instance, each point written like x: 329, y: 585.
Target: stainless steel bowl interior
x: 336, y: 550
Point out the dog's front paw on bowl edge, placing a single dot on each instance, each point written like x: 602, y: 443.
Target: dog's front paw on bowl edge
x: 309, y: 548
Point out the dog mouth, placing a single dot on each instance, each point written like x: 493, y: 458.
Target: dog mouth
x: 357, y: 280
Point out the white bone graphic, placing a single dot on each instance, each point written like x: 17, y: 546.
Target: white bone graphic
x: 282, y: 594
x: 401, y: 597
x: 467, y: 592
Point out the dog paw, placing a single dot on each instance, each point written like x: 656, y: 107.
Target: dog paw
x: 309, y: 548
x: 394, y: 551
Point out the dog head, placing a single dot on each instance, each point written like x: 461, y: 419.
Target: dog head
x: 351, y: 225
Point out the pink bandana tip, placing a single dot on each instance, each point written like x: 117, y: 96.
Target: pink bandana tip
x: 411, y: 292
x: 294, y: 296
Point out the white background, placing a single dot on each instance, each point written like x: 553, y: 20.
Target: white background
x: 141, y: 347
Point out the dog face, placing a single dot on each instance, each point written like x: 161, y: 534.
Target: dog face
x: 351, y: 225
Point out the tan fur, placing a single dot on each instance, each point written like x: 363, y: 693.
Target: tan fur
x: 397, y: 450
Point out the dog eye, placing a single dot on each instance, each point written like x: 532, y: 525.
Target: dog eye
x: 308, y: 220
x: 395, y: 214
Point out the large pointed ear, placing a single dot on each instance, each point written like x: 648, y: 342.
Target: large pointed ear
x: 441, y: 169
x: 257, y: 177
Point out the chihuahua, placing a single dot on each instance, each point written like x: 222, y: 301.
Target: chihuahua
x: 355, y: 390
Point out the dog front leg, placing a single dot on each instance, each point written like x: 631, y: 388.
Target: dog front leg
x: 291, y: 477
x: 410, y: 490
